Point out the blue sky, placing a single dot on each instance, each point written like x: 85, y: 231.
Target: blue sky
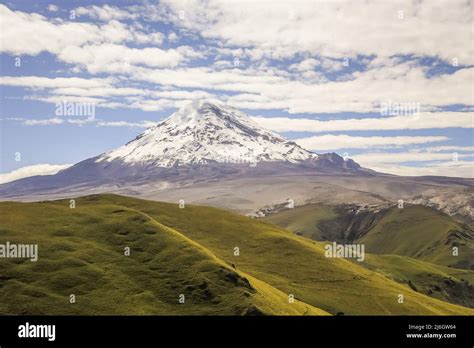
x: 317, y: 72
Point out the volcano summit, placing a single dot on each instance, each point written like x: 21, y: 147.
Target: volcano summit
x: 203, y: 132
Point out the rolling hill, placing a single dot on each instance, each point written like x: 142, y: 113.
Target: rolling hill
x: 412, y: 245
x: 445, y: 283
x: 416, y: 231
x: 81, y: 252
x: 190, y: 252
x: 423, y: 233
x: 306, y: 221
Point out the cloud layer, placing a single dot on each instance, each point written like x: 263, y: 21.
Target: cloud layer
x: 316, y: 67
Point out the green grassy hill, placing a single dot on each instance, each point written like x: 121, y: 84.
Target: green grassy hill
x: 422, y: 233
x: 343, y: 223
x: 81, y: 252
x: 305, y: 221
x: 445, y: 283
x: 415, y: 231
x: 186, y: 251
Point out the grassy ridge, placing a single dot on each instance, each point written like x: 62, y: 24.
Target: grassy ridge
x: 82, y: 253
x: 182, y: 251
x: 445, y: 283
x: 291, y: 263
x: 304, y: 220
x: 415, y: 231
x: 423, y: 233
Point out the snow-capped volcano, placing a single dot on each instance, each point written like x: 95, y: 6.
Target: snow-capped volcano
x: 203, y: 132
x: 201, y: 142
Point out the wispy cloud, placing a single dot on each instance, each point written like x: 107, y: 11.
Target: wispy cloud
x: 426, y: 120
x: 411, y: 156
x: 336, y: 142
x: 37, y: 169
x: 141, y: 124
x: 45, y: 122
x: 420, y: 162
x: 463, y: 169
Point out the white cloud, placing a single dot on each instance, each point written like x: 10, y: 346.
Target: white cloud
x: 155, y: 38
x: 153, y: 104
x: 428, y: 162
x: 141, y: 124
x: 324, y: 63
x: 104, y: 13
x: 372, y: 159
x: 45, y: 122
x: 114, y: 58
x: 180, y: 94
x: 337, y: 28
x: 78, y: 89
x: 58, y: 82
x: 31, y: 34
x: 304, y: 65
x: 69, y: 99
x: 222, y: 64
x: 300, y: 89
x: 465, y: 171
x: 82, y: 121
x: 335, y: 142
x: 52, y: 121
x: 426, y: 120
x: 172, y: 36
x: 365, y: 92
x: 450, y: 148
x: 98, y: 92
x: 53, y: 8
x: 37, y: 169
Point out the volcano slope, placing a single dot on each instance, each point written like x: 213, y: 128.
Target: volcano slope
x: 222, y: 263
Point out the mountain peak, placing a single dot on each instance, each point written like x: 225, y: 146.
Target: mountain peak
x: 199, y: 104
x: 205, y: 111
x: 333, y: 160
x: 206, y: 132
x: 196, y: 108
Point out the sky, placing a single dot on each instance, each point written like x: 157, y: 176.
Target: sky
x: 389, y: 84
